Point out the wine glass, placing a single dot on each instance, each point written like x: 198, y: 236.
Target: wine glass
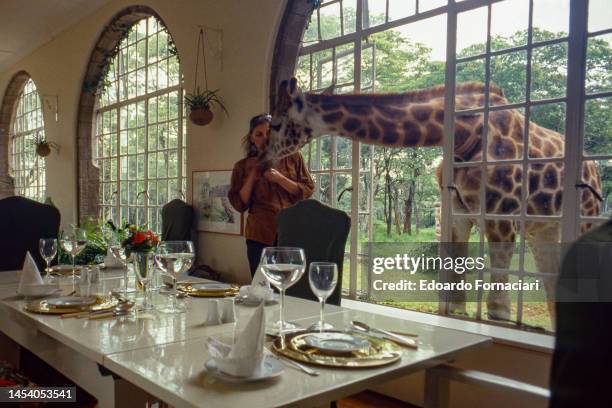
x: 174, y: 258
x: 144, y: 263
x: 48, y: 250
x: 119, y: 253
x: 283, y: 266
x: 73, y: 244
x: 323, y: 278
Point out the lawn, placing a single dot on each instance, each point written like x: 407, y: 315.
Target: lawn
x: 535, y: 312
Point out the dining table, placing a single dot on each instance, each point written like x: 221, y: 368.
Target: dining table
x: 147, y: 357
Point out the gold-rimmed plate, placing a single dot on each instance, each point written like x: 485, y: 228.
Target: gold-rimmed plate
x: 43, y: 306
x: 64, y: 270
x: 380, y: 352
x: 213, y: 290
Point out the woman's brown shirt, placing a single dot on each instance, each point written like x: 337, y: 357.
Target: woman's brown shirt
x: 267, y: 198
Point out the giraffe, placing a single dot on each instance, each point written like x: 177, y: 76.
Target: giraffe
x: 415, y: 119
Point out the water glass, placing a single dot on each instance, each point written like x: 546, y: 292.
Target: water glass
x: 48, y: 250
x: 119, y: 253
x: 323, y: 278
x: 144, y: 263
x: 174, y: 258
x: 73, y: 243
x: 282, y: 267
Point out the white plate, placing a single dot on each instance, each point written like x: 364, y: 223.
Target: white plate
x: 72, y: 301
x: 336, y: 342
x: 210, y: 287
x: 270, y: 367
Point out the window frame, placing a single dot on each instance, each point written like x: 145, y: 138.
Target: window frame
x: 117, y: 210
x: 26, y: 137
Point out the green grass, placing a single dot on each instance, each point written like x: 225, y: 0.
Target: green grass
x: 535, y: 313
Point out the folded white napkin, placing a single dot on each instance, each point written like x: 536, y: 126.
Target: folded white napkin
x: 259, y: 289
x: 30, y: 276
x: 246, y: 355
x: 110, y: 261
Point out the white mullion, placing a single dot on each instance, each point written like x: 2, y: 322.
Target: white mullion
x: 146, y: 129
x: 525, y: 163
x: 574, y: 119
x: 446, y: 212
x: 355, y: 165
x: 484, y: 163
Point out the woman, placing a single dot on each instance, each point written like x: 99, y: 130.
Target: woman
x: 265, y: 192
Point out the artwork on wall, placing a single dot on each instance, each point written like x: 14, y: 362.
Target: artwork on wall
x: 213, y: 210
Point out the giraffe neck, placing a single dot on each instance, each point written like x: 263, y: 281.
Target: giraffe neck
x: 389, y: 120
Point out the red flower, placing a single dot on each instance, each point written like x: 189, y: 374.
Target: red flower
x: 138, y: 238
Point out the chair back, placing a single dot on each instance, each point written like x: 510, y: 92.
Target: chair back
x: 322, y: 231
x: 177, y: 221
x: 22, y: 223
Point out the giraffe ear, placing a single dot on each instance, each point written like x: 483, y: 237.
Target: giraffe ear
x: 283, y: 99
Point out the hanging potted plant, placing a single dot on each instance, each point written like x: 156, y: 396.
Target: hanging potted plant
x: 200, y: 104
x: 42, y: 146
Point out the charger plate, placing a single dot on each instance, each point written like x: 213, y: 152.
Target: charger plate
x: 200, y: 290
x: 380, y: 351
x: 43, y: 307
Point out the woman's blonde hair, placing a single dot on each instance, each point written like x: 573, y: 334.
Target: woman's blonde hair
x: 249, y: 147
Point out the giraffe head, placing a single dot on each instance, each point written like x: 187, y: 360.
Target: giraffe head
x: 291, y: 126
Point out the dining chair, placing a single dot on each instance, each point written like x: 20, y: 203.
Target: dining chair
x: 177, y: 221
x: 22, y: 223
x: 322, y: 232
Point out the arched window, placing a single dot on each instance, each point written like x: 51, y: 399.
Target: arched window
x: 139, y: 130
x: 25, y: 166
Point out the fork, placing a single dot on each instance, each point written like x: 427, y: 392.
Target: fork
x: 294, y: 364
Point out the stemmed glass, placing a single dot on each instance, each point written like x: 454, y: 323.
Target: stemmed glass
x: 119, y: 253
x: 283, y: 266
x: 144, y: 263
x: 48, y: 250
x: 73, y: 244
x: 322, y: 277
x: 174, y: 258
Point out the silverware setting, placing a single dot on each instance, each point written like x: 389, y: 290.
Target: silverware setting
x: 401, y: 340
x: 294, y: 364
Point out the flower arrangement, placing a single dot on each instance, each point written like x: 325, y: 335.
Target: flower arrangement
x: 138, y: 240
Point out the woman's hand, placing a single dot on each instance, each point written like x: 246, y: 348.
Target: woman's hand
x: 273, y: 176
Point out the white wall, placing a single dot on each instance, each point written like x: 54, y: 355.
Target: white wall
x: 248, y: 31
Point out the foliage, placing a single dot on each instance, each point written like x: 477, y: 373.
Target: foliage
x: 96, y: 248
x: 204, y: 100
x: 391, y: 62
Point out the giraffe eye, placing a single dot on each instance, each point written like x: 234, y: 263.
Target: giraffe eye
x: 275, y: 128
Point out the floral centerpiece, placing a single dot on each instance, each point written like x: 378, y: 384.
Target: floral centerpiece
x: 138, y: 240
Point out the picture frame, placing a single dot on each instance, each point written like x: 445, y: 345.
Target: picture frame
x: 213, y: 211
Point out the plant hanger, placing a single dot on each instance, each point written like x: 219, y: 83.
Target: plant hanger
x: 196, y: 88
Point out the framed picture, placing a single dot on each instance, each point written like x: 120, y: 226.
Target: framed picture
x: 209, y: 198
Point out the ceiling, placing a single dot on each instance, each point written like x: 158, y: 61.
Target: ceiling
x: 25, y: 25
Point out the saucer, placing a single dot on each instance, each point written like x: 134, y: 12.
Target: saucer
x: 270, y: 367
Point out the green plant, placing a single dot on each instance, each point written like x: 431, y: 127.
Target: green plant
x: 96, y: 248
x: 205, y: 100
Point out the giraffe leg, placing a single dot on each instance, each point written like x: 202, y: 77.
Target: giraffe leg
x: 461, y: 236
x: 544, y: 244
x: 500, y: 235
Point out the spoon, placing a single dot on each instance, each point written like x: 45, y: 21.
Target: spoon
x: 365, y: 328
x: 119, y: 310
